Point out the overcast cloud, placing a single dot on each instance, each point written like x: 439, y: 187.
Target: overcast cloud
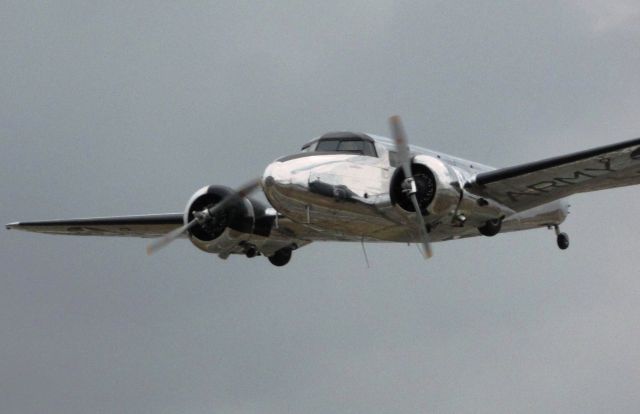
x: 120, y: 107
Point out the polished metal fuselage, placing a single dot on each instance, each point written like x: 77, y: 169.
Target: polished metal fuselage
x: 344, y: 196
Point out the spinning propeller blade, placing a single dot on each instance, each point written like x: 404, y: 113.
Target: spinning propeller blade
x: 158, y: 244
x: 202, y: 217
x: 404, y: 156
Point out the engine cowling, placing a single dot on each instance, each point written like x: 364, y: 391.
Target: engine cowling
x: 438, y: 190
x: 230, y: 226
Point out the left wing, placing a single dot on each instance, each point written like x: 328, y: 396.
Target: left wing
x: 529, y: 185
x: 147, y: 226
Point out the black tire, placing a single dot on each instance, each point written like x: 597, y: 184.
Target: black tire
x: 563, y: 241
x: 251, y: 252
x: 281, y: 257
x: 491, y: 227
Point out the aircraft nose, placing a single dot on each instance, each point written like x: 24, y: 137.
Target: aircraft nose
x: 281, y: 175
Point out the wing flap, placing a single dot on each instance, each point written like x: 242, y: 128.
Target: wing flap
x: 145, y: 226
x: 529, y: 185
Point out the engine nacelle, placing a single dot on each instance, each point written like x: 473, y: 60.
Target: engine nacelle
x: 230, y: 226
x: 438, y: 187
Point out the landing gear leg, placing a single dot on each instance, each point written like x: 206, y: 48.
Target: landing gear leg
x: 281, y: 257
x: 561, y: 238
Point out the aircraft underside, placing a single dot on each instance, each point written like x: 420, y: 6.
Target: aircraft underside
x: 358, y: 187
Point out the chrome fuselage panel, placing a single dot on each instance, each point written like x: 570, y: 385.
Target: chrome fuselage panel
x: 345, y: 196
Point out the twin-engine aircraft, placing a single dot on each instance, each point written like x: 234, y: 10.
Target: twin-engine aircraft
x: 357, y: 187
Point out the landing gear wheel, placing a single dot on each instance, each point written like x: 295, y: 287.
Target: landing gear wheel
x: 491, y: 227
x: 251, y: 252
x: 563, y: 241
x: 281, y: 257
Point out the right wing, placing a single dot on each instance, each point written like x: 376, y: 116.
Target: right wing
x: 146, y: 226
x: 158, y: 225
x: 529, y: 185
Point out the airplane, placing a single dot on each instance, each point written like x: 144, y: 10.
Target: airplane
x: 358, y: 187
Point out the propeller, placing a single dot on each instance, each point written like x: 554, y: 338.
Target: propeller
x: 409, y: 184
x: 204, y: 216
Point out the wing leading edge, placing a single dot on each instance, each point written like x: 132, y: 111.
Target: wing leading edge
x: 529, y: 185
x: 146, y: 226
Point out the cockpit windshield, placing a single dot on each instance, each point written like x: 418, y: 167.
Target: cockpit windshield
x: 351, y: 145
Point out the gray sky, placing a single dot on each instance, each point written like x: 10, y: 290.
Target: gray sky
x: 119, y: 108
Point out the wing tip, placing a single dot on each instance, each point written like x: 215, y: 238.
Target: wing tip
x: 10, y: 226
